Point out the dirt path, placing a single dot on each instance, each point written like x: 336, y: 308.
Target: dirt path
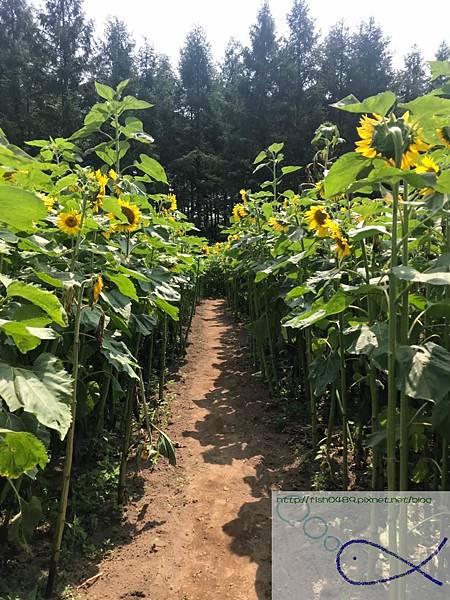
x: 202, y: 528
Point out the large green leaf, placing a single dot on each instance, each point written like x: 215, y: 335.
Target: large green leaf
x: 120, y: 357
x: 324, y: 371
x: 152, y: 167
x: 410, y: 274
x: 44, y: 390
x: 343, y: 173
x: 167, y: 308
x: 20, y: 452
x: 26, y: 338
x: 443, y: 183
x: 166, y: 448
x: 104, y: 91
x: 423, y: 371
x: 320, y: 309
x: 42, y: 298
x: 439, y: 68
x: 379, y: 104
x: 125, y: 285
x: 371, y: 341
x: 19, y: 208
x: 441, y: 416
x: 428, y: 105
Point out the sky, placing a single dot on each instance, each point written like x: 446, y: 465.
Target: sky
x: 166, y: 22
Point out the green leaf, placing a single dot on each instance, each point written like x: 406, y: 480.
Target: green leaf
x: 323, y: 372
x: 23, y: 525
x: 379, y: 104
x: 19, y: 208
x: 369, y: 231
x: 428, y: 105
x: 261, y: 156
x: 125, y: 285
x: 440, y: 421
x: 319, y: 310
x: 443, y: 182
x: 410, y: 274
x: 276, y: 147
x: 20, y: 452
x: 371, y: 341
x: 26, y: 338
x: 42, y: 298
x: 290, y: 169
x: 439, y: 68
x: 132, y: 103
x: 424, y: 371
x: 166, y: 448
x: 152, y: 167
x: 167, y: 308
x: 120, y: 357
x: 104, y: 91
x: 44, y: 390
x: 343, y: 173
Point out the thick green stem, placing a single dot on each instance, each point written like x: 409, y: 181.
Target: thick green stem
x: 312, y: 398
x: 162, y: 365
x: 404, y: 328
x: 392, y: 328
x: 126, y: 438
x: 343, y: 399
x: 61, y: 521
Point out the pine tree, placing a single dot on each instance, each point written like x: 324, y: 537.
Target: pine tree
x: 68, y: 46
x: 117, y: 60
x: 20, y: 72
x: 371, y: 61
x: 261, y: 82
x: 413, y: 80
x: 443, y: 52
x: 198, y: 170
x: 299, y: 105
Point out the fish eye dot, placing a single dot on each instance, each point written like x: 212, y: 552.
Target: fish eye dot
x: 354, y: 558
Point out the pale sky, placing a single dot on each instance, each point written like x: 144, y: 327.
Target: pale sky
x: 166, y: 22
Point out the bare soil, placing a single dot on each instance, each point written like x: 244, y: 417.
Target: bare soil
x: 201, y: 530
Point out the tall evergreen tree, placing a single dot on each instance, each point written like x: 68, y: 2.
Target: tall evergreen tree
x: 261, y: 64
x: 117, y: 53
x: 68, y: 46
x: 371, y: 61
x: 19, y: 69
x: 413, y: 80
x: 443, y: 52
x: 299, y: 102
x: 198, y: 168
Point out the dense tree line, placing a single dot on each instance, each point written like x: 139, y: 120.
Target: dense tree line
x: 208, y: 120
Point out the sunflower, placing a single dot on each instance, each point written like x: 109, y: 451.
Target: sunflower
x: 377, y: 139
x: 70, y: 222
x: 318, y: 220
x: 112, y: 174
x: 97, y: 288
x: 277, y: 226
x: 132, y: 214
x: 173, y: 202
x: 342, y: 246
x: 205, y: 250
x: 292, y: 201
x: 319, y: 188
x: 427, y: 166
x: 244, y: 195
x: 239, y: 211
x: 444, y: 135
x: 49, y: 201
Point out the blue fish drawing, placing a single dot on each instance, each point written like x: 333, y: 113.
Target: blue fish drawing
x: 412, y: 567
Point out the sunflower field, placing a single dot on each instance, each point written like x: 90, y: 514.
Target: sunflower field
x: 344, y: 285
x: 99, y: 277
